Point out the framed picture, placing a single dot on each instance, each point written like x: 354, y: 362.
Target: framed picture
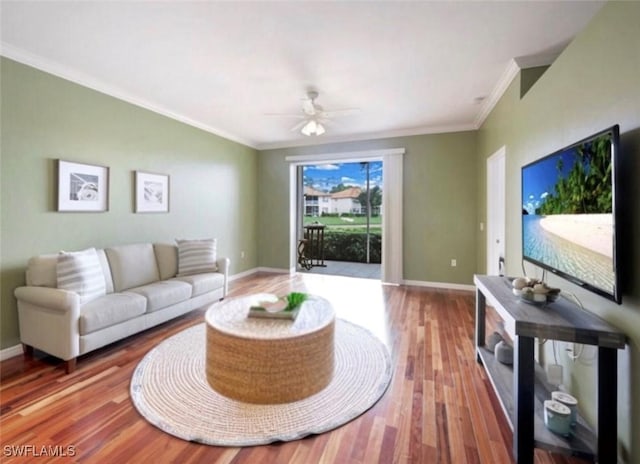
x: 152, y: 192
x: 82, y: 187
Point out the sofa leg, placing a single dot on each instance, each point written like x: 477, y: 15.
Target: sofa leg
x: 27, y: 351
x: 70, y: 365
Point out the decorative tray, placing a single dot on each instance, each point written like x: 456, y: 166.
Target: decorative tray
x: 274, y: 307
x: 260, y: 312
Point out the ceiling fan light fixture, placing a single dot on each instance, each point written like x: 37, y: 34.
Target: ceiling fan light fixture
x: 312, y: 128
x: 309, y: 128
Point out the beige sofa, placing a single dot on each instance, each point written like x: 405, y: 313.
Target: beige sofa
x: 142, y: 288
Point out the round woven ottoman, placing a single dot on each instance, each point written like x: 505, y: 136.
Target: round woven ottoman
x: 269, y: 361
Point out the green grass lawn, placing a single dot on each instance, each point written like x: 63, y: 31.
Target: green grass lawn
x: 356, y: 222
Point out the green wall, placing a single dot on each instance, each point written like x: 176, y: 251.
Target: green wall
x: 594, y: 84
x: 439, y: 199
x: 44, y: 118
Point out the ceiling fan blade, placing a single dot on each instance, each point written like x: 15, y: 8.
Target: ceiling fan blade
x: 313, y: 117
x: 299, y: 125
x: 340, y: 112
x: 286, y: 115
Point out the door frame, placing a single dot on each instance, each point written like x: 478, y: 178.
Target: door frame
x: 392, y: 162
x: 496, y: 210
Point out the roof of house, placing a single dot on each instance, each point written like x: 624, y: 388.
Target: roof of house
x: 351, y: 192
x: 311, y: 192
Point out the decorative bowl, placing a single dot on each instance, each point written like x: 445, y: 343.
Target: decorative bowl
x: 538, y: 299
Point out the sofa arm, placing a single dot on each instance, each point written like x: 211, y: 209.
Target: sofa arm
x: 223, y: 268
x: 223, y: 265
x: 52, y: 298
x: 49, y: 320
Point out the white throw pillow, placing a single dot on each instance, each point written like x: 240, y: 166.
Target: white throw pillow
x: 196, y: 256
x: 81, y: 272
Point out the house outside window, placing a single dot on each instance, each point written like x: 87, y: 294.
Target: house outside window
x: 315, y: 202
x: 346, y: 201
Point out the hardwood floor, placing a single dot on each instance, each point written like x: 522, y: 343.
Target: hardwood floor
x: 440, y: 406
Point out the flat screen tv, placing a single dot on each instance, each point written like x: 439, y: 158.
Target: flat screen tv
x: 569, y: 213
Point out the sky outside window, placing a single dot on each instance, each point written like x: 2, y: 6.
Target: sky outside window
x: 324, y: 177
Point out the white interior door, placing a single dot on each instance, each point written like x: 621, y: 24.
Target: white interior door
x: 496, y: 212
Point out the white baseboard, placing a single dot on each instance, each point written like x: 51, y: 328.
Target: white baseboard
x: 249, y: 272
x: 444, y: 285
x: 242, y: 274
x: 275, y: 270
x: 10, y: 352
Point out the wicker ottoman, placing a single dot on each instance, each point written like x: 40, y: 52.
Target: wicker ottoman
x: 268, y: 361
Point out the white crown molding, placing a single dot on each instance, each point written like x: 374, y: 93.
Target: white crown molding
x: 534, y: 61
x: 509, y: 74
x: 324, y: 140
x: 70, y: 74
x: 36, y: 61
x: 513, y: 68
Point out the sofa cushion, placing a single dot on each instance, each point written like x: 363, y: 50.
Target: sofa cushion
x: 109, y: 310
x: 167, y: 258
x: 164, y: 293
x: 196, y: 256
x: 203, y: 283
x: 42, y: 271
x: 132, y: 265
x: 104, y: 262
x: 81, y: 272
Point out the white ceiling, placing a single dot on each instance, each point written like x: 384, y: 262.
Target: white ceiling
x: 410, y: 67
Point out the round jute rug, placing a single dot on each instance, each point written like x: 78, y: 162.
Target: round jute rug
x: 170, y: 390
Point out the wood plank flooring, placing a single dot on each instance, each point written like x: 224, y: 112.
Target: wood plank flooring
x: 440, y: 407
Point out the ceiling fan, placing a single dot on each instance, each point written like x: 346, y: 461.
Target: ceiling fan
x: 314, y: 116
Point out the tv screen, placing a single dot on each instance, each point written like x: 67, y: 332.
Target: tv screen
x: 569, y: 213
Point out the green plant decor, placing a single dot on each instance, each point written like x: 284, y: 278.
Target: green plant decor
x: 274, y: 307
x: 294, y: 300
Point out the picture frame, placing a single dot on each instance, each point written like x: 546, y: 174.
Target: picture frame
x: 82, y: 187
x: 152, y: 192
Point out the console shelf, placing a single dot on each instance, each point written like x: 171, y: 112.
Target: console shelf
x: 582, y: 441
x: 523, y: 389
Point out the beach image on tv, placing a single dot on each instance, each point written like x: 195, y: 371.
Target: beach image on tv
x: 567, y: 212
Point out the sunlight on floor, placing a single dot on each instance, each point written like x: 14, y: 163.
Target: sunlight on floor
x: 360, y: 301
